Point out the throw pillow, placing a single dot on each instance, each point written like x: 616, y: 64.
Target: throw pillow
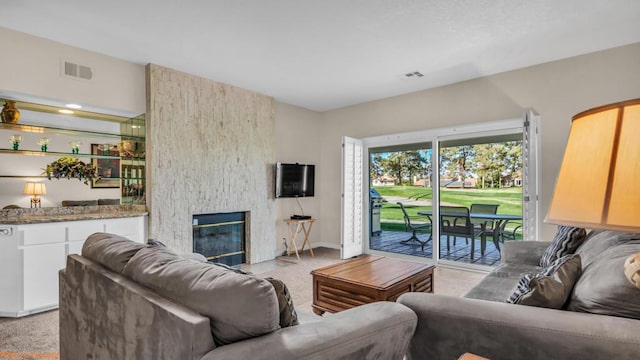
x: 603, y: 288
x: 551, y: 287
x: 288, y: 315
x: 565, y: 242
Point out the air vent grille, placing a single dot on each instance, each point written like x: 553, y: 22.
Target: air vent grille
x: 74, y: 70
x: 413, y: 74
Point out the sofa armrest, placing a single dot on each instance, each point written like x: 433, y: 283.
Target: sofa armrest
x: 450, y: 326
x: 523, y: 252
x: 380, y: 330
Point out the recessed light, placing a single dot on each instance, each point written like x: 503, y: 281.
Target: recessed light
x: 74, y: 106
x: 65, y: 111
x: 135, y: 126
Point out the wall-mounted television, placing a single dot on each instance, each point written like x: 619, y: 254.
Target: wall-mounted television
x: 294, y: 180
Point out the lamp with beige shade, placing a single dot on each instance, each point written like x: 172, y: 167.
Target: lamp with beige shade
x: 597, y: 186
x: 35, y: 189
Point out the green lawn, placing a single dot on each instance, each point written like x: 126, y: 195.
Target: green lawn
x: 508, y: 199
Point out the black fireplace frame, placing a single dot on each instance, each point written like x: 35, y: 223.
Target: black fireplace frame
x: 203, y: 221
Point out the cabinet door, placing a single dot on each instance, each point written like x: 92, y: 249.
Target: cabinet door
x: 41, y: 264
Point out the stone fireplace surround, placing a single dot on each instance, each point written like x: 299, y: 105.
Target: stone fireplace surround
x: 210, y: 149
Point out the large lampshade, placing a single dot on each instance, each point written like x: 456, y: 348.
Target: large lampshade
x: 598, y: 186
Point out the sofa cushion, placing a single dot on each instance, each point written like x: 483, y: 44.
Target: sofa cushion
x: 498, y: 284
x: 603, y: 287
x: 109, y: 250
x: 238, y: 306
x: 565, y: 242
x: 288, y: 315
x: 551, y: 287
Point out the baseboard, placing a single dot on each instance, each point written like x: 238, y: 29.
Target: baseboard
x: 280, y: 252
x: 327, y: 245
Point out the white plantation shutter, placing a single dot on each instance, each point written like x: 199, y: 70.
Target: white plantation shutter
x: 530, y: 186
x: 352, y: 198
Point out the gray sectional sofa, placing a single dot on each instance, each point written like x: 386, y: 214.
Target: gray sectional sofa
x: 125, y: 300
x: 600, y: 320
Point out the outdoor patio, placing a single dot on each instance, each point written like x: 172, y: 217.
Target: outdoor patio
x: 390, y: 241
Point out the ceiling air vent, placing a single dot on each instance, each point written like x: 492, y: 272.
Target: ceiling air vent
x: 413, y: 74
x: 77, y: 71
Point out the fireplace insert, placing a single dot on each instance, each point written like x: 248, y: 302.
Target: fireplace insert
x: 220, y: 237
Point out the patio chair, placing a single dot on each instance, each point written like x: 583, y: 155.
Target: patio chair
x: 478, y: 223
x: 510, y: 235
x: 455, y: 221
x: 410, y: 223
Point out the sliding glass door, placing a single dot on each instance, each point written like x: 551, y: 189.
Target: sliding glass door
x: 480, y: 178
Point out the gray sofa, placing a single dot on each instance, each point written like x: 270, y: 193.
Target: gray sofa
x: 124, y: 300
x: 601, y: 319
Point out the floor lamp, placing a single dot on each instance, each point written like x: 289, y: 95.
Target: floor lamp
x: 597, y: 187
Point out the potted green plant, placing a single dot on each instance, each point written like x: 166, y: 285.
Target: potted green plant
x: 71, y: 168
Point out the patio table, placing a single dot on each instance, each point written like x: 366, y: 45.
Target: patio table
x: 497, y: 218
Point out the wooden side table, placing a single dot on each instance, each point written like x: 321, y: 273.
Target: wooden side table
x: 365, y: 280
x: 296, y: 226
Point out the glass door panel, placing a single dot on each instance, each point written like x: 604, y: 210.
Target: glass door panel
x: 480, y: 201
x: 400, y: 183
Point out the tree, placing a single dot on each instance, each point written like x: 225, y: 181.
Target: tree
x: 455, y: 161
x: 376, y: 167
x: 402, y: 164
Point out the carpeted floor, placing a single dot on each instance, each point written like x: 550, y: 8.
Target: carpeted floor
x: 38, y: 334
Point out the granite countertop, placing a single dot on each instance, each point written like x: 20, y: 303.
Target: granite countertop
x: 76, y: 213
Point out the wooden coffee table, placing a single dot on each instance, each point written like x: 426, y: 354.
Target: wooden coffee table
x: 365, y: 280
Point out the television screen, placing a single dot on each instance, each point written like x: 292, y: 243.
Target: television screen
x: 294, y: 180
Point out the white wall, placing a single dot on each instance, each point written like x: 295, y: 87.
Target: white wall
x: 32, y: 66
x: 298, y: 140
x: 556, y: 90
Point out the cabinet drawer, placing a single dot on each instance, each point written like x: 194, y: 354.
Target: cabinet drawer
x: 80, y: 230
x: 43, y: 233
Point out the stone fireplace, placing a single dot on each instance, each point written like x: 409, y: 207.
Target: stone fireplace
x: 220, y: 139
x: 221, y: 237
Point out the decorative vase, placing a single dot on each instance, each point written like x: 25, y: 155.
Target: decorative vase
x: 10, y: 114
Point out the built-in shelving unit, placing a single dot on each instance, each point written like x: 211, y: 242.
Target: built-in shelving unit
x: 125, y: 137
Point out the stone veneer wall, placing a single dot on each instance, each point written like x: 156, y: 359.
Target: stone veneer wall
x: 210, y: 149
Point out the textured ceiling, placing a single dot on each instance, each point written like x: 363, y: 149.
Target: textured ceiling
x: 327, y: 54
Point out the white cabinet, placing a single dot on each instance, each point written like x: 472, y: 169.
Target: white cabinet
x: 32, y: 254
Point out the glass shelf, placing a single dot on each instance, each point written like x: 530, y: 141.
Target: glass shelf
x: 45, y: 177
x: 54, y: 153
x: 60, y: 131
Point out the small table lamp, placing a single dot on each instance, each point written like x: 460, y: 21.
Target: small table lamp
x: 597, y: 186
x: 35, y: 189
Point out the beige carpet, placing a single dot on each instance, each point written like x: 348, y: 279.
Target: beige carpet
x: 38, y: 334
